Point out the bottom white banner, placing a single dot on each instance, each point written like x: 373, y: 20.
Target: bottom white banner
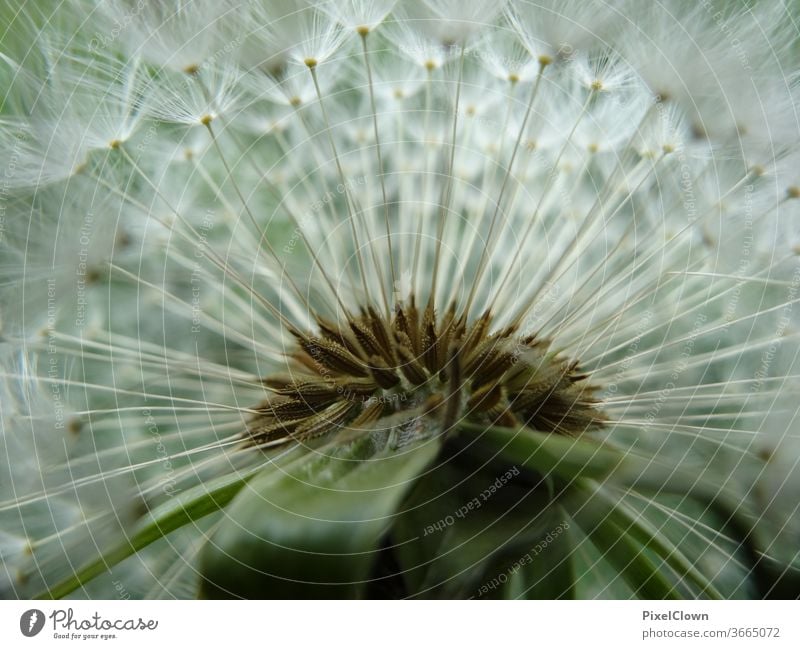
x: 399, y: 624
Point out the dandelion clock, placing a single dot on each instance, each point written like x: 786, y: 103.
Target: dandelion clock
x: 416, y: 299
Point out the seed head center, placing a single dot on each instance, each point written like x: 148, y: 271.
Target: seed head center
x: 350, y: 375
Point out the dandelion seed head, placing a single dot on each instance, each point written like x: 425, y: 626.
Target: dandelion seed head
x: 353, y: 376
x: 242, y: 238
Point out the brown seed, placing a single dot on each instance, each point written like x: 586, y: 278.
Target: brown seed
x: 356, y: 389
x: 409, y: 366
x: 490, y: 359
x: 331, y: 331
x: 430, y: 354
x: 326, y: 421
x: 485, y: 397
x: 475, y: 334
x: 291, y: 408
x: 384, y: 376
x: 333, y: 356
x: 369, y: 415
x: 382, y: 334
x: 366, y: 339
x: 263, y: 431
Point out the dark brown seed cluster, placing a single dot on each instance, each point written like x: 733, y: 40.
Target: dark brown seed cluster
x: 348, y: 376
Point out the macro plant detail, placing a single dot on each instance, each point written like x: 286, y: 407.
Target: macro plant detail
x: 397, y: 299
x: 350, y: 377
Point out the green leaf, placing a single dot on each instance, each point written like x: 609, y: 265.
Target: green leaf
x: 466, y: 521
x: 313, y: 531
x: 185, y: 508
x: 623, y: 550
x: 571, y: 458
x: 548, y: 453
x: 601, y: 505
x: 710, y: 536
x: 595, y: 577
x: 547, y: 570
